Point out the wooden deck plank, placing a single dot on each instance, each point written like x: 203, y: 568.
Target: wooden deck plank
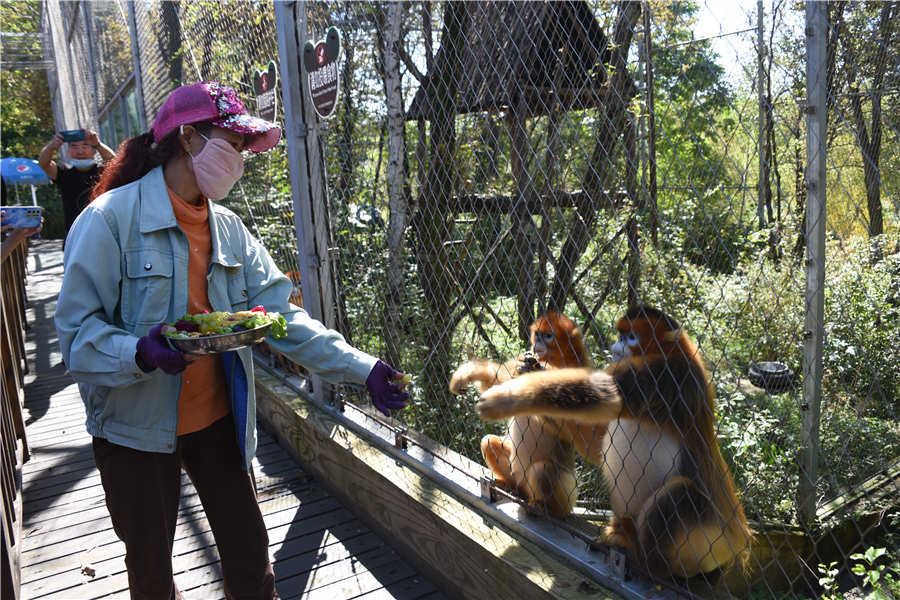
x: 276, y: 512
x: 73, y: 502
x: 365, y: 572
x: 54, y: 539
x: 76, y: 513
x: 70, y: 551
x: 63, y: 463
x: 193, y: 554
x: 49, y: 481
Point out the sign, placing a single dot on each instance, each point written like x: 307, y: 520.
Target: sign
x: 264, y: 88
x: 321, y: 63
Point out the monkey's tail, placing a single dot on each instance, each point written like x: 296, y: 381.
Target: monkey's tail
x: 483, y: 374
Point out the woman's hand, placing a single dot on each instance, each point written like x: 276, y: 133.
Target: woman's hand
x: 386, y: 394
x: 153, y: 351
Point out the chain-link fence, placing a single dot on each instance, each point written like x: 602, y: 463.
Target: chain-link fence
x: 490, y: 162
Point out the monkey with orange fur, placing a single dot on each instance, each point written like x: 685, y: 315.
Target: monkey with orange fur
x: 675, y: 502
x: 536, y: 456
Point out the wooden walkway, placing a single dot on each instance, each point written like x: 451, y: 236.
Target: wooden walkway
x: 318, y: 547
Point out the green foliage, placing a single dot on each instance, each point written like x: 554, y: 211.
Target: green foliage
x: 25, y: 113
x: 464, y: 430
x: 828, y: 581
x: 25, y: 109
x: 704, y: 231
x: 759, y: 436
x: 862, y: 364
x: 693, y: 96
x: 882, y: 579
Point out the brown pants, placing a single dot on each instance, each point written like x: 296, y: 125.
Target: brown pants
x: 142, y: 494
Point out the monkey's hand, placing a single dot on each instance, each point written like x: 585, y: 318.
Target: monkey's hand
x: 579, y: 394
x: 528, y: 363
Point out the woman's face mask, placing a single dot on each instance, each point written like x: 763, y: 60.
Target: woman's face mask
x: 217, y: 167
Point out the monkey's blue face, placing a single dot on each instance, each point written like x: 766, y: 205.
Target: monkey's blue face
x: 626, y: 346
x: 542, y: 341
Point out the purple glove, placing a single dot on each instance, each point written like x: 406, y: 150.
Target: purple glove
x: 153, y: 352
x: 386, y: 396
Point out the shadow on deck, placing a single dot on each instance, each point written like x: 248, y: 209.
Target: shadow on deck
x: 69, y: 550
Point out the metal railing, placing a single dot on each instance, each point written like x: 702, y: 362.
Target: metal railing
x: 14, y: 446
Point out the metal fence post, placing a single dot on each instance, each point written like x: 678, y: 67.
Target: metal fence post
x: 763, y: 179
x: 136, y: 59
x: 814, y: 331
x: 295, y: 135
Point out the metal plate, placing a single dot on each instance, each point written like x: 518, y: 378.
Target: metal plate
x: 216, y: 344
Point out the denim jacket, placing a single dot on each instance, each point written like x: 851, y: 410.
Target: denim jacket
x: 126, y: 270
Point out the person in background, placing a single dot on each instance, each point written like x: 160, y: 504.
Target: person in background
x: 152, y: 245
x: 12, y: 236
x: 75, y: 182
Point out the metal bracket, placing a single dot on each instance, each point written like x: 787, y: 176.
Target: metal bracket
x: 400, y: 438
x: 486, y: 485
x: 616, y: 562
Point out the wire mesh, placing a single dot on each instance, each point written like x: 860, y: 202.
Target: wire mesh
x: 490, y: 162
x: 195, y: 41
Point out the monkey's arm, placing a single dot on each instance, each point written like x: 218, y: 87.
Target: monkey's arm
x: 482, y: 373
x: 590, y: 397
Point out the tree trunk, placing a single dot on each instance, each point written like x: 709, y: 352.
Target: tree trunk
x: 631, y: 228
x: 600, y: 167
x: 869, y: 138
x: 396, y: 177
x: 651, y: 124
x: 347, y: 131
x: 771, y: 155
x: 835, y: 14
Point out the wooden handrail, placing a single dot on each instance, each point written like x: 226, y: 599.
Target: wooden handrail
x: 13, y: 447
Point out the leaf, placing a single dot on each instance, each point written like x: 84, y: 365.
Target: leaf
x: 873, y: 554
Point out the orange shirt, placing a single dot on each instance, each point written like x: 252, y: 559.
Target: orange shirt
x: 204, y: 395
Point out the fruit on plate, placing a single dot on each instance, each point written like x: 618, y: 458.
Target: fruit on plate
x: 222, y: 323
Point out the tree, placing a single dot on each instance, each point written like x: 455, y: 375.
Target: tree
x: 868, y: 46
x: 396, y: 171
x: 25, y: 109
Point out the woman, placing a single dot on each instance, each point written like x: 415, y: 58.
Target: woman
x: 150, y: 247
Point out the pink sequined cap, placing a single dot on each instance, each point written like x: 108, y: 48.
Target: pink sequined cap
x: 220, y: 105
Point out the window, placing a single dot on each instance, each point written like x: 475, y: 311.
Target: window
x: 133, y: 113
